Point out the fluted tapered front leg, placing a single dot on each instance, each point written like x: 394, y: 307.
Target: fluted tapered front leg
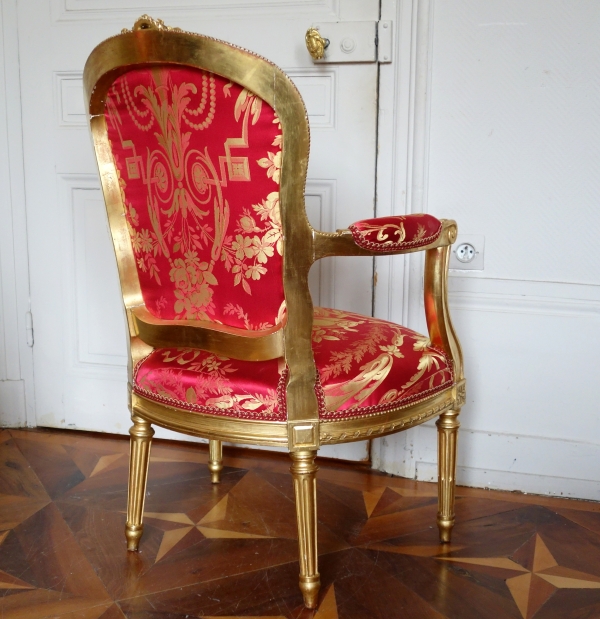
x: 141, y: 438
x: 215, y: 460
x: 447, y: 425
x: 304, y: 472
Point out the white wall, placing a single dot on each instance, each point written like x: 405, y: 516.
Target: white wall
x: 16, y: 372
x: 510, y: 148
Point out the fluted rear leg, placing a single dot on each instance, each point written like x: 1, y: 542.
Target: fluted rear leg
x: 447, y: 425
x: 141, y: 438
x: 304, y: 472
x: 215, y: 460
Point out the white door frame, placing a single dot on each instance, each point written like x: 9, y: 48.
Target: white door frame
x: 402, y: 170
x: 17, y: 400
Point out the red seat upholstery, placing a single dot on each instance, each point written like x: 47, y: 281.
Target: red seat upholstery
x: 366, y: 366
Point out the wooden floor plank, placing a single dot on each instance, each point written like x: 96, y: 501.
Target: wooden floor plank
x: 230, y: 550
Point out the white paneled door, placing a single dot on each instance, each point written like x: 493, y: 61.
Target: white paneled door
x: 79, y: 350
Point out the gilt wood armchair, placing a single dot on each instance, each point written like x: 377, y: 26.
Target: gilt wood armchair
x: 202, y: 150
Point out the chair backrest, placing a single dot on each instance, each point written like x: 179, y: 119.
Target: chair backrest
x: 198, y: 159
x: 202, y: 149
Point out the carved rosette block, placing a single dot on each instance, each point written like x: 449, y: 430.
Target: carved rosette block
x: 215, y: 460
x: 145, y: 22
x: 447, y: 425
x: 304, y: 471
x: 141, y: 438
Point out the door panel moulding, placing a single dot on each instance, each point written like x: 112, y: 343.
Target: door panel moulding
x: 524, y: 296
x: 318, y: 89
x: 320, y: 199
x: 515, y: 304
x: 94, y: 10
x: 94, y: 332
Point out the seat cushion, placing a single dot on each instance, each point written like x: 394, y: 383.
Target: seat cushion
x: 365, y: 365
x: 369, y: 366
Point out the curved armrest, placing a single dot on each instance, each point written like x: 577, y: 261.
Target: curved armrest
x: 386, y: 236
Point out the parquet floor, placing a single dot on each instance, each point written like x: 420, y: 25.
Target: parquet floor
x: 230, y: 550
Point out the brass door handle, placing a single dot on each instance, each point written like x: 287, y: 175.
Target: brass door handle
x: 315, y: 43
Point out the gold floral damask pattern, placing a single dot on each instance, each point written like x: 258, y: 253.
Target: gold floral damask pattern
x: 199, y: 161
x: 366, y: 366
x: 202, y: 382
x: 397, y: 232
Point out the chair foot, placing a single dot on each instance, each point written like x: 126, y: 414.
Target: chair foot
x: 133, y: 534
x: 447, y: 425
x: 309, y: 586
x: 304, y: 471
x: 215, y: 460
x: 445, y: 527
x: 139, y: 457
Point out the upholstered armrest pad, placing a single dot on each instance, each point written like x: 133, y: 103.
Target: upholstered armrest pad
x: 387, y: 234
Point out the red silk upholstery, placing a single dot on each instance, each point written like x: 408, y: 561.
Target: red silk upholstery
x: 198, y: 160
x: 199, y: 381
x: 386, y: 234
x: 366, y: 366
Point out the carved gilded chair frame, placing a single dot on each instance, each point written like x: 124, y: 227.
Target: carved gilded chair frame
x: 150, y: 43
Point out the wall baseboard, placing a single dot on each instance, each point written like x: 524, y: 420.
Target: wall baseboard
x: 12, y: 404
x: 538, y: 465
x: 522, y: 482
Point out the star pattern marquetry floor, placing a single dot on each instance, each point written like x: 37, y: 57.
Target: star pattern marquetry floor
x: 229, y: 551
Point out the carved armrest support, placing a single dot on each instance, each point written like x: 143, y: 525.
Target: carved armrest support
x: 437, y: 312
x: 397, y: 235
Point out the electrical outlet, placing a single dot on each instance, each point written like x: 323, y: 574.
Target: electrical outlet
x: 467, y: 252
